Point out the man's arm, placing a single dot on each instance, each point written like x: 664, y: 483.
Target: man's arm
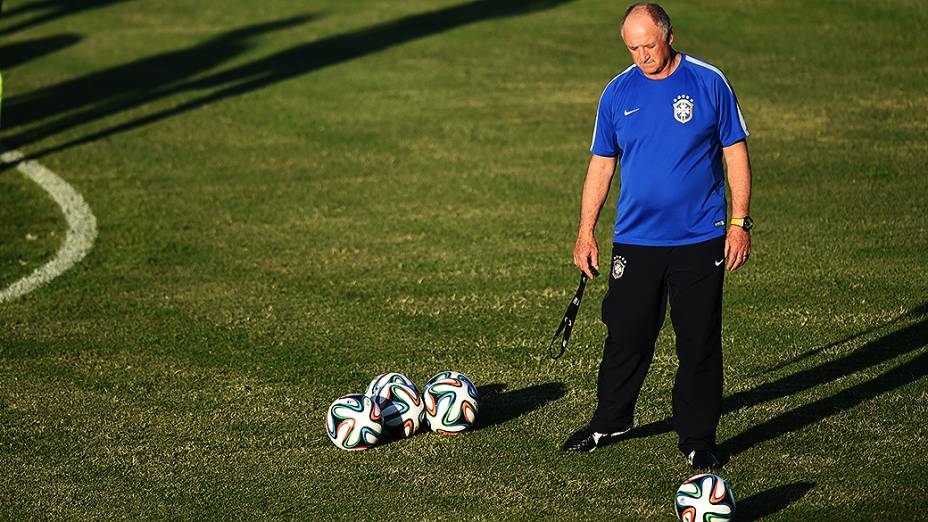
x: 595, y: 189
x: 738, y: 240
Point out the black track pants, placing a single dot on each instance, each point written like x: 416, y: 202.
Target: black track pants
x: 640, y: 282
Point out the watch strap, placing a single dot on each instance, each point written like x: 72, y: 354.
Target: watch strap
x: 746, y: 223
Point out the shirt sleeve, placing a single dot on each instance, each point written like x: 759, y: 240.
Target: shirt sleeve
x: 604, y: 143
x: 732, y: 128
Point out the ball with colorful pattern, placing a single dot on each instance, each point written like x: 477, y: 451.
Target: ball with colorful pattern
x: 450, y: 400
x: 373, y: 389
x: 402, y: 409
x: 705, y: 498
x: 354, y: 422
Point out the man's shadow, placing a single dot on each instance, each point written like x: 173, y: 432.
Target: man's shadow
x: 496, y: 406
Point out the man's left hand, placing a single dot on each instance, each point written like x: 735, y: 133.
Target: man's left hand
x: 737, y: 247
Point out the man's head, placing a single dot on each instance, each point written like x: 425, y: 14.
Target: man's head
x: 648, y: 34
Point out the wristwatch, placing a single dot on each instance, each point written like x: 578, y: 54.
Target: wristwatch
x: 746, y: 223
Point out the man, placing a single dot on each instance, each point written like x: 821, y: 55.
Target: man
x: 668, y: 120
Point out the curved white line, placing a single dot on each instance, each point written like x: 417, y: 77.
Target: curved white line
x: 82, y: 225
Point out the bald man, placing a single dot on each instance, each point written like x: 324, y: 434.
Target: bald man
x: 668, y: 121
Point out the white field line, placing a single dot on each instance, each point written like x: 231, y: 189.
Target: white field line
x: 82, y: 225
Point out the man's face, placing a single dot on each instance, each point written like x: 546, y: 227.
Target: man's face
x: 649, y: 50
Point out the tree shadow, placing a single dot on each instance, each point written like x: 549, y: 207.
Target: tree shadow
x: 113, y: 90
x: 21, y: 52
x: 497, y: 406
x: 284, y: 65
x: 56, y: 9
x: 770, y: 501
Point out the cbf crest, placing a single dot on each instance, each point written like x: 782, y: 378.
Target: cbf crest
x: 683, y: 108
x: 618, y: 266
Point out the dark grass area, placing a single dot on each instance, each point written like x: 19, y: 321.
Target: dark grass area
x: 31, y: 227
x: 292, y: 199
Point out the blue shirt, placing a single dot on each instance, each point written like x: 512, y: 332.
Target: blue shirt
x: 668, y: 135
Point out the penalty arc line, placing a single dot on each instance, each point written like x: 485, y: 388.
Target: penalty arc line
x: 82, y: 225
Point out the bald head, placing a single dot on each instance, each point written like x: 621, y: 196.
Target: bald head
x: 643, y: 12
x: 648, y: 35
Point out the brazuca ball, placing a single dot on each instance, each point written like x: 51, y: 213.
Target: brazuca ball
x: 704, y: 498
x: 354, y: 422
x: 402, y: 409
x: 450, y: 400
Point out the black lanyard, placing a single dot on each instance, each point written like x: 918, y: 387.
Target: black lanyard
x: 567, y: 324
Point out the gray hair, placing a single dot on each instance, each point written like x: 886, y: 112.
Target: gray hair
x: 657, y: 14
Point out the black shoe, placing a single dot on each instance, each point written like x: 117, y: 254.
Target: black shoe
x: 703, y: 459
x: 585, y: 439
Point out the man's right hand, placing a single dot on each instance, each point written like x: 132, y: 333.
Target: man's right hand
x: 586, y: 255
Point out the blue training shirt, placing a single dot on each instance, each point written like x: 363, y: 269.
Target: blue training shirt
x: 668, y: 136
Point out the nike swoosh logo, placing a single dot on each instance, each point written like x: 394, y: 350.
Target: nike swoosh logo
x: 631, y: 111
x: 720, y: 261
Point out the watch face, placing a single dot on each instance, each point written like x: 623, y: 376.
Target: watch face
x: 748, y: 223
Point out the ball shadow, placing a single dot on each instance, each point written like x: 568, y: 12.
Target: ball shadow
x: 770, y: 501
x: 496, y: 406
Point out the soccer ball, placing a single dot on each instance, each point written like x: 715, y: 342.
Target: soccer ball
x: 354, y: 422
x: 447, y: 375
x: 402, y: 408
x: 450, y: 400
x: 373, y: 389
x: 705, y: 498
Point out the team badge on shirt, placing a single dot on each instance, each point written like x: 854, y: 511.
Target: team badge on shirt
x: 683, y: 108
x: 618, y: 266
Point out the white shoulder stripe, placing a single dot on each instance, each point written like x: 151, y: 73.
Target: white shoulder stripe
x: 710, y: 67
x: 630, y: 67
x: 596, y: 125
x: 716, y: 70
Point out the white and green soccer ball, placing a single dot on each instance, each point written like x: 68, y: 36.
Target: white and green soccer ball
x: 450, y: 400
x: 705, y: 498
x: 402, y: 408
x: 354, y: 422
x: 377, y: 383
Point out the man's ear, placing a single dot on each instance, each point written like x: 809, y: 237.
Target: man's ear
x: 670, y: 37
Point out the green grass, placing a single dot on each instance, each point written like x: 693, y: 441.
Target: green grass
x: 284, y: 214
x: 31, y: 228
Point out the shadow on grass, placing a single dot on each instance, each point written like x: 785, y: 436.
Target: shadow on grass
x: 497, y: 406
x: 816, y: 411
x: 103, y: 93
x: 770, y: 501
x: 54, y: 9
x: 284, y: 65
x: 21, y: 52
x: 891, y: 346
x: 914, y: 313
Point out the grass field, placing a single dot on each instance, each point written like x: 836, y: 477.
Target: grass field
x: 293, y: 197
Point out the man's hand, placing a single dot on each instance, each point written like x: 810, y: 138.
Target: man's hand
x: 595, y: 189
x: 737, y: 247
x: 586, y: 255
